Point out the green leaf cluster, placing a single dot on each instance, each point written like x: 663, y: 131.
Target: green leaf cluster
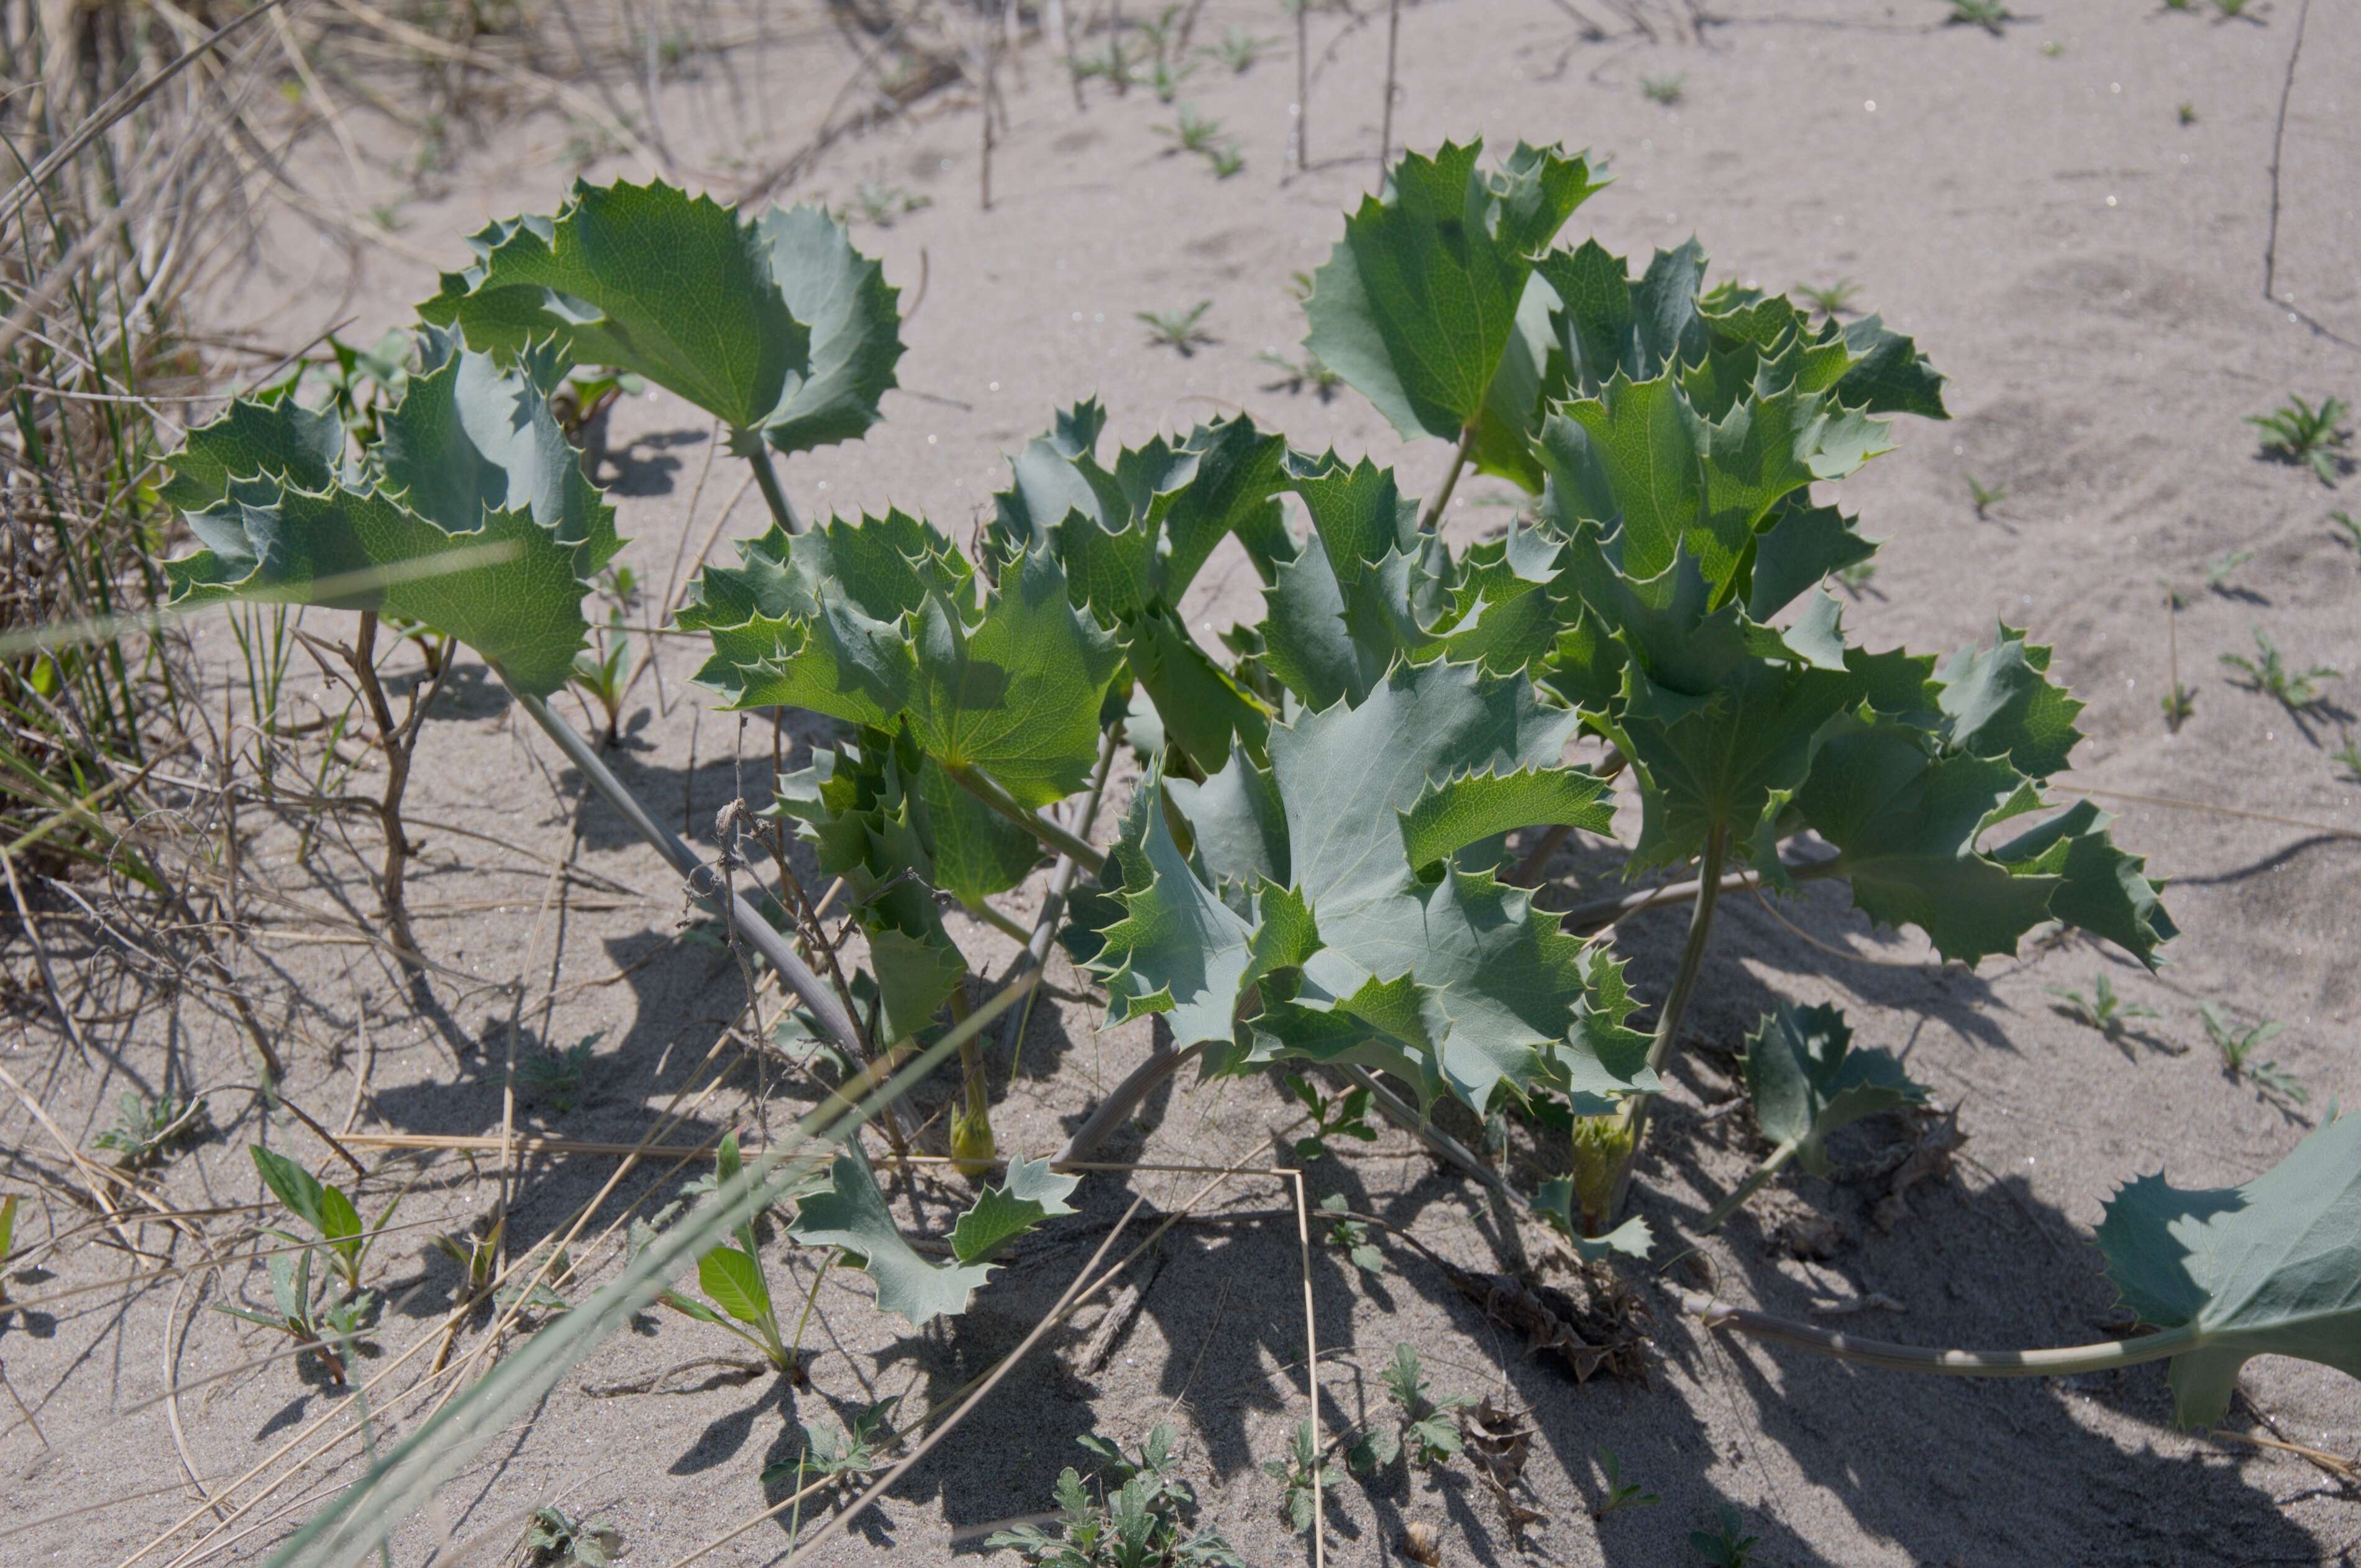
x: 1144, y: 1522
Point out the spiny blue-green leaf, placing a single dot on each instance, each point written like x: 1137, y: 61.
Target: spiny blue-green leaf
x: 1554, y: 1201
x: 1474, y: 806
x: 1015, y: 692
x: 1806, y: 1081
x: 481, y: 527
x: 280, y: 440
x: 852, y: 1214
x: 884, y: 566
x: 856, y: 329
x: 1030, y: 1193
x: 1421, y: 307
x: 2000, y: 703
x: 645, y: 278
x: 2100, y: 889
x: 1799, y: 548
x: 2271, y: 1267
x: 1889, y: 375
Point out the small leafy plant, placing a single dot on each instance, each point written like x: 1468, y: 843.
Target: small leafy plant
x: 2269, y: 674
x: 7, y: 1241
x: 1296, y: 375
x: 602, y: 670
x: 1345, y: 1116
x: 1619, y: 1494
x: 1191, y: 132
x: 732, y: 1275
x: 1991, y: 16
x: 842, y: 1454
x: 1664, y: 90
x: 1806, y: 1081
x: 1239, y: 49
x: 2238, y: 1042
x: 146, y: 1128
x: 1225, y: 160
x: 1832, y: 299
x: 326, y: 1210
x: 1180, y: 331
x: 326, y: 1325
x: 1727, y: 1545
x: 1425, y: 1430
x: 2347, y: 755
x: 2346, y: 529
x: 1302, y: 1478
x: 2178, y: 705
x: 1352, y: 1238
x: 1143, y: 1523
x: 555, y: 1076
x: 2218, y: 571
x: 2103, y: 1010
x: 554, y: 1539
x: 2297, y: 431
x: 1984, y: 497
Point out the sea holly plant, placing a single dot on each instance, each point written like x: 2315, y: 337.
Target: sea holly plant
x: 1807, y: 1079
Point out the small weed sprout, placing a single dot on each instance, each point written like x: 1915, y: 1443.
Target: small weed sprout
x: 553, y: 1075
x: 2178, y: 705
x: 1854, y: 579
x: 2348, y: 532
x: 1144, y: 1523
x: 2187, y: 114
x: 2230, y: 10
x: 329, y: 1328
x: 7, y: 1242
x: 1426, y: 1429
x: 2269, y: 674
x: 2296, y: 432
x: 553, y: 1538
x: 2217, y: 574
x: 2347, y: 755
x: 732, y: 1274
x: 1165, y: 77
x: 478, y: 1254
x: 1183, y: 332
x: 1191, y: 132
x: 1620, y: 1494
x: 1833, y: 298
x: 1226, y: 161
x: 1664, y: 90
x: 1345, y: 1116
x: 1984, y: 497
x: 2102, y: 1009
x: 1351, y: 1237
x: 840, y: 1454
x: 327, y: 1210
x: 2237, y: 1044
x: 1298, y: 374
x: 1301, y: 1477
x: 1991, y: 16
x: 1239, y: 49
x: 1729, y: 1546
x: 602, y: 670
x: 882, y: 204
x: 146, y: 1129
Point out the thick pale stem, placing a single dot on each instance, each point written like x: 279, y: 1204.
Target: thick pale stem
x: 989, y: 791
x: 1434, y: 517
x: 1121, y: 1101
x: 766, y: 478
x: 1053, y: 902
x: 1588, y: 917
x: 2063, y: 1361
x: 759, y: 933
x: 1749, y: 1188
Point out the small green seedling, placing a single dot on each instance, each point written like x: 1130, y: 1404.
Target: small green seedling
x: 2230, y: 10
x: 2178, y: 705
x: 1183, y: 332
x: 2218, y: 573
x: 1302, y: 1477
x: 1729, y: 1547
x: 1191, y: 132
x: 1115, y: 64
x: 1984, y: 497
x: 1831, y: 300
x: 1855, y: 578
x: 2237, y: 1044
x: 146, y: 1129
x: 1352, y: 1236
x: 555, y: 1076
x: 2347, y: 755
x: 540, y: 1295
x: 1225, y: 160
x: 1620, y: 1493
x: 2269, y: 674
x: 478, y: 1254
x: 2347, y: 530
x: 880, y: 204
x: 1239, y: 49
x: 7, y: 1242
x: 1664, y: 90
x: 732, y: 1276
x: 1345, y: 1115
x: 840, y: 1454
x: 602, y: 670
x: 328, y: 1329
x: 1165, y: 77
x: 1145, y: 1524
x: 2296, y: 432
x: 329, y: 1211
x: 553, y: 1538
x: 1296, y: 375
x: 1425, y: 1430
x: 2103, y: 1010
x: 1991, y: 16
x: 2187, y: 113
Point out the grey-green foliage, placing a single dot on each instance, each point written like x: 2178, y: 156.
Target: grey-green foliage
x: 147, y: 1128
x: 469, y: 514
x: 555, y: 1539
x: 2271, y: 1267
x: 845, y: 1453
x: 1425, y: 1428
x: 1133, y: 1511
x: 1807, y: 1079
x: 1301, y: 1477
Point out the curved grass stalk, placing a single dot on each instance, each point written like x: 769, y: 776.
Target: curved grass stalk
x: 2059, y: 1362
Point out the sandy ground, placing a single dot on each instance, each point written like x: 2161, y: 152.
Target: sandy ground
x: 2090, y: 272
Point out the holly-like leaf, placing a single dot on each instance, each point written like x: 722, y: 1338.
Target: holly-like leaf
x: 477, y: 523
x: 1030, y: 1193
x: 2271, y: 1267
x: 2000, y: 703
x: 774, y: 325
x: 1014, y: 692
x: 852, y: 1214
x: 1309, y: 877
x: 252, y: 439
x: 1424, y: 306
x: 1806, y: 1081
